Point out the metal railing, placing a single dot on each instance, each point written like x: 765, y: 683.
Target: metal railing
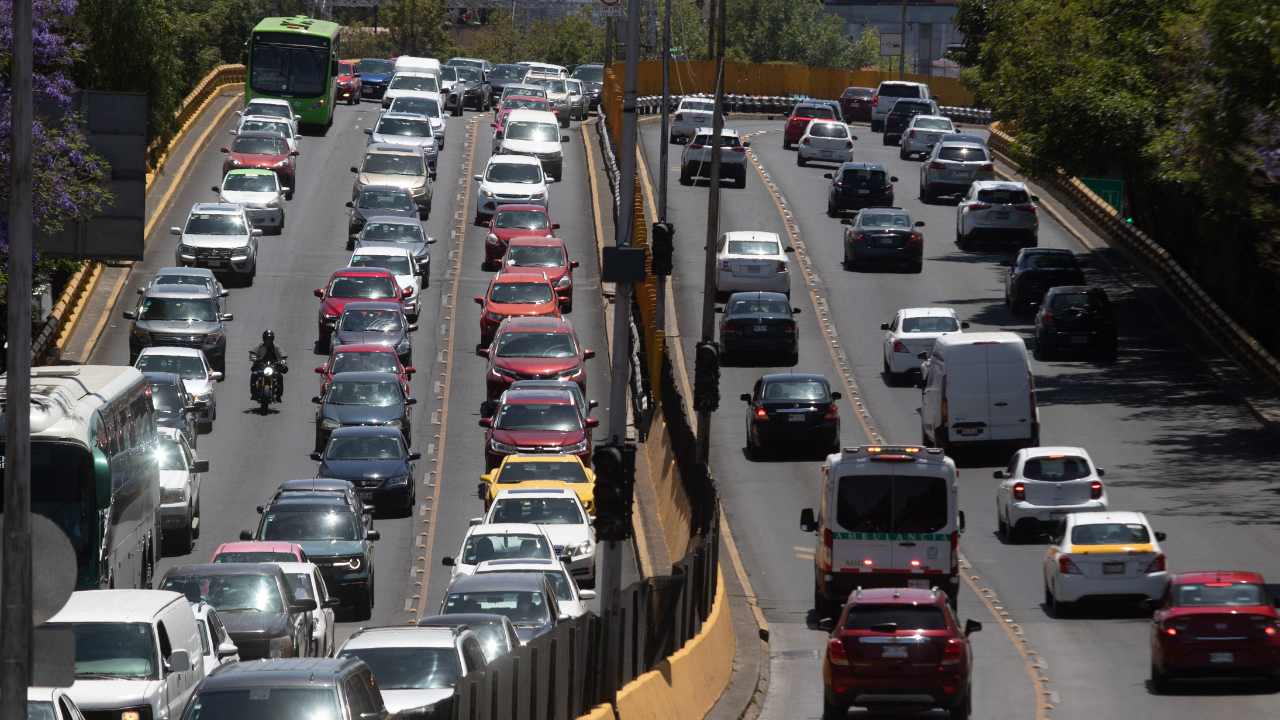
x: 217, y: 78
x: 777, y: 104
x: 44, y: 346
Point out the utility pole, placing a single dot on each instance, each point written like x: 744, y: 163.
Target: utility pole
x: 711, y: 28
x: 902, y: 51
x: 663, y: 170
x: 15, y: 602
x: 608, y: 43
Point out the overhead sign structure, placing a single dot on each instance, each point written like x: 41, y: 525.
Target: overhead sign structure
x: 890, y: 43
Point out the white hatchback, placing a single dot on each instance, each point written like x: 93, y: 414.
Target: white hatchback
x: 259, y: 191
x: 826, y: 141
x: 306, y: 577
x: 400, y: 261
x: 510, y: 180
x: 922, y: 133
x: 1042, y: 485
x: 997, y: 210
x: 568, y: 596
x: 1103, y: 555
x: 692, y: 115
x: 271, y: 107
x: 180, y: 471
x: 750, y: 261
x: 265, y: 123
x: 498, y: 541
x: 911, y: 332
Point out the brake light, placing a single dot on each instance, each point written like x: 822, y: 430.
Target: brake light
x: 1171, y: 631
x: 789, y: 328
x: 937, y: 165
x: 848, y: 144
x: 875, y: 101
x: 894, y: 116
x: 915, y: 238
x: 857, y: 237
x: 761, y: 414
x: 680, y: 116
x: 867, y: 561
x: 987, y: 167
x: 915, y: 563
x: 979, y: 206
x: 1020, y: 491
x: 804, y: 141
x: 696, y: 146
x: 1156, y: 565
x: 835, y: 652
x: 1270, y: 630
x: 912, y: 134
x: 899, y: 347
x: 1095, y: 490
x: 724, y: 265
x: 782, y: 266
x: 1029, y: 208
x: 832, y: 413
x: 1066, y: 567
x: 1047, y: 318
x: 953, y: 652
x: 730, y: 326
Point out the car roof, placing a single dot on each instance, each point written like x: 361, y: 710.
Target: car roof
x: 1000, y: 185
x: 522, y: 322
x: 724, y: 132
x: 163, y: 378
x: 365, y: 347
x: 506, y: 529
x: 300, y: 672
x: 927, y: 312
x: 463, y: 619
x: 531, y: 114
x: 861, y: 166
x: 961, y: 142
x: 391, y: 219
x: 268, y: 101
x: 928, y: 117
x: 514, y: 206
x: 759, y: 295
x: 898, y: 82
x: 1046, y: 451
x: 188, y: 292
x: 521, y: 275
x: 498, y: 582
x: 1203, y: 576
x: 525, y: 396
x: 783, y: 377
x: 210, y: 207
x: 117, y: 605
x: 1099, y: 518
x: 404, y: 116
x: 904, y: 596
x: 537, y: 241
x: 365, y: 431
x: 518, y: 564
x: 319, y: 484
x: 1090, y: 289
x: 223, y: 569
x: 965, y: 136
x: 751, y: 235
x: 541, y: 457
x: 1047, y: 251
x: 172, y: 350
x: 257, y: 546
x: 310, y: 503
x: 392, y: 148
x: 384, y: 188
x: 367, y: 376
x: 202, y: 272
x: 402, y: 636
x: 249, y: 171
x: 514, y: 160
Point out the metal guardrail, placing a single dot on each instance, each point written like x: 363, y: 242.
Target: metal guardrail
x: 216, y: 79
x: 777, y: 104
x: 1243, y: 346
x: 44, y: 346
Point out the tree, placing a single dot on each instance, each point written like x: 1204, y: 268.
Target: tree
x: 416, y: 28
x: 794, y: 31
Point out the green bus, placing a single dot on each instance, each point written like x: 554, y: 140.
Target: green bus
x: 294, y: 59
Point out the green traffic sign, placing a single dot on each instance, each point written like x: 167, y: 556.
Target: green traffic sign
x: 1111, y: 191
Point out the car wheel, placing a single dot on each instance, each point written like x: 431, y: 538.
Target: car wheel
x: 886, y: 139
x: 822, y: 606
x: 1159, y: 681
x: 1042, y: 348
x: 786, y: 144
x: 961, y: 710
x: 902, y: 152
x: 364, y: 607
x: 917, y: 267
x: 565, y: 123
x: 877, y: 126
x: 852, y: 264
x: 831, y: 210
x: 800, y: 159
x: 740, y: 181
x: 966, y: 241
x: 833, y: 712
x: 1060, y: 609
x: 1002, y: 527
x: 685, y: 177
x: 196, y: 516
x: 588, y: 583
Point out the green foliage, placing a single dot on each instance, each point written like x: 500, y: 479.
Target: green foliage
x: 416, y: 28
x: 573, y: 39
x: 795, y: 31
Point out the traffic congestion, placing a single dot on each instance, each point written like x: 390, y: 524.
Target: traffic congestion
x: 321, y: 492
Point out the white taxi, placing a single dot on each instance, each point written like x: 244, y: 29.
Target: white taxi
x: 1103, y: 555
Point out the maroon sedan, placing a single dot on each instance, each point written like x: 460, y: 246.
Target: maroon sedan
x: 534, y: 348
x: 536, y: 421
x: 348, y: 83
x: 898, y: 649
x: 855, y: 103
x: 355, y: 285
x: 364, y: 358
x: 263, y: 151
x: 546, y: 255
x: 1215, y: 624
x: 512, y: 221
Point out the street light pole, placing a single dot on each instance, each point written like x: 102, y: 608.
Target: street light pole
x: 703, y: 448
x: 663, y: 155
x: 902, y: 52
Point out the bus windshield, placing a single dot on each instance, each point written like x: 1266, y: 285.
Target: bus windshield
x: 289, y: 65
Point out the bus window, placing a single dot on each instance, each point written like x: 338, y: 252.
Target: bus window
x: 61, y: 490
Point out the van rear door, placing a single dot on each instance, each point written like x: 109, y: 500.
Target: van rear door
x: 1009, y: 385
x: 921, y: 510
x: 862, y: 522
x: 968, y: 408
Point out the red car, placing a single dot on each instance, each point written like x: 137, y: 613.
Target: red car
x: 262, y: 151
x: 348, y: 83
x: 855, y: 103
x: 258, y: 551
x: 547, y: 255
x: 364, y: 358
x: 515, y: 221
x: 897, y: 649
x: 541, y: 348
x: 514, y: 102
x: 536, y: 421
x: 799, y: 121
x: 1215, y: 624
x: 355, y: 284
x: 515, y: 295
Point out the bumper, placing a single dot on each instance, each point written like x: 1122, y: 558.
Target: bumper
x: 950, y: 187
x: 903, y: 362
x: 488, y: 206
x: 915, y: 146
x: 1025, y: 515
x: 348, y: 93
x: 826, y: 432
x: 857, y: 202
x: 266, y: 216
x: 493, y: 253
x: 910, y: 254
x: 951, y: 435
x: 565, y: 296
x: 733, y: 343
x: 373, y: 92
x: 174, y: 517
x: 728, y: 170
x: 841, y: 156
x: 1004, y: 233
x: 726, y: 281
x: 1082, y: 340
x: 1074, y: 588
x: 843, y: 688
x: 493, y: 458
x: 496, y: 384
x: 231, y: 265
x: 349, y: 588
x: 1233, y: 659
x: 392, y: 497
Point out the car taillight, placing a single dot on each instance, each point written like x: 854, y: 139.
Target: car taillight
x: 761, y: 414
x: 730, y: 326
x: 696, y: 146
x: 979, y: 206
x: 1095, y: 490
x: 912, y: 134
x: 832, y: 413
x: 937, y: 165
x: 680, y: 116
x: 893, y: 116
x: 835, y: 652
x: 987, y: 167
x: 1047, y: 318
x: 1171, y: 631
x: 899, y: 347
x: 875, y: 101
x: 1156, y: 565
x: 848, y: 144
x: 953, y: 652
x: 804, y: 141
x: 857, y: 237
x: 1029, y: 208
x: 1019, y: 492
x: 789, y: 328
x: 1066, y: 567
x: 782, y: 266
x: 724, y: 265
x: 915, y: 238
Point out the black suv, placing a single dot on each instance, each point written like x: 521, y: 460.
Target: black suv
x: 334, y: 536
x: 900, y: 115
x: 183, y: 316
x: 335, y: 689
x: 1076, y: 317
x: 883, y: 235
x: 858, y: 185
x: 1035, y: 270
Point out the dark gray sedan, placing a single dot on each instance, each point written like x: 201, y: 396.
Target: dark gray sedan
x: 394, y: 231
x: 363, y: 398
x: 527, y: 599
x: 883, y: 235
x: 379, y: 200
x: 375, y: 323
x: 759, y: 322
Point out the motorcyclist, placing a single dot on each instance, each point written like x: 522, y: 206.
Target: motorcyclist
x: 268, y: 353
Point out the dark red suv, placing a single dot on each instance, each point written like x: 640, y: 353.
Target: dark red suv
x: 1215, y: 624
x: 898, y: 649
x: 536, y: 421
x: 534, y: 348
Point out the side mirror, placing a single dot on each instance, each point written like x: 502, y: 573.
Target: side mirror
x: 128, y: 314
x: 573, y: 264
x: 485, y: 422
x: 224, y: 293
x: 447, y: 561
x: 256, y: 232
x: 479, y: 300
x: 826, y: 624
x: 226, y: 317
x: 142, y: 291
x: 593, y: 422
x: 200, y: 466
x: 373, y: 535
x: 922, y: 356
x: 587, y: 594
x: 349, y: 204
x: 315, y: 456
x: 227, y: 649
x: 178, y: 661
x: 795, y: 311
x: 893, y: 178
x: 588, y: 354
x: 259, y: 510
x: 247, y: 534
x: 476, y: 521
x: 556, y: 226
x: 482, y: 352
x: 747, y: 144
x: 199, y: 405
x: 216, y: 189
x: 884, y: 326
x: 411, y: 401
x: 175, y: 231
x: 971, y: 626
x: 406, y: 292
x: 964, y: 326
x: 1101, y: 472
x: 476, y: 178
x: 548, y: 180
x: 836, y: 395
x: 355, y: 169
x: 719, y: 310
x: 745, y: 397
x: 224, y: 150
x: 564, y: 138
x: 368, y: 131
x: 294, y: 153
x: 316, y: 399
x: 789, y: 249
x: 493, y: 124
x: 807, y: 521
x: 919, y: 223
x: 409, y: 370
x: 318, y: 293
x: 564, y: 617
x: 1006, y: 263
x: 303, y: 605
x: 1161, y: 536
x: 331, y: 602
x: 485, y: 223
x: 215, y: 376
x: 354, y: 237
x: 998, y: 475
x: 846, y: 221
x: 431, y: 241
x: 593, y: 403
x: 960, y: 515
x: 827, y: 176
x: 320, y: 370
x: 853, y: 137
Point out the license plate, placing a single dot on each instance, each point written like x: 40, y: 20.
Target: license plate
x: 1079, y: 339
x: 760, y: 328
x: 795, y: 417
x: 365, y: 494
x: 969, y: 431
x: 962, y: 174
x: 864, y: 192
x: 1112, y: 568
x: 752, y: 269
x: 894, y: 651
x: 1002, y: 216
x: 1222, y: 657
x: 918, y: 584
x: 826, y: 153
x: 213, y: 263
x: 884, y: 241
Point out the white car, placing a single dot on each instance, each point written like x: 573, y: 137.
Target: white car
x: 534, y: 133
x: 271, y: 107
x: 416, y: 667
x: 417, y: 103
x: 219, y: 236
x: 692, y: 115
x: 508, y: 541
x: 511, y: 180
x: 1103, y: 555
x: 826, y: 141
x: 49, y: 703
x: 406, y: 129
x: 922, y: 133
x: 559, y: 512
x: 557, y: 93
x: 267, y: 123
x: 997, y: 210
x: 259, y: 191
x: 216, y: 642
x: 751, y: 261
x: 419, y: 81
x: 546, y: 68
x: 193, y: 366
x: 695, y: 158
x: 306, y: 577
x: 911, y: 332
x: 569, y: 597
x: 400, y: 261
x: 1042, y: 485
x: 179, y: 488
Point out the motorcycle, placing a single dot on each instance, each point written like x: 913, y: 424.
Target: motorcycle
x: 266, y: 382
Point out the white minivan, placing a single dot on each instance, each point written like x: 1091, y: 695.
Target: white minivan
x: 978, y: 389
x: 138, y: 652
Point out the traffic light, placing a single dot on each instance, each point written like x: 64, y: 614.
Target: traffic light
x: 662, y: 246
x: 706, y: 378
x: 615, y: 469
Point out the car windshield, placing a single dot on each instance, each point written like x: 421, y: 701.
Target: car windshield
x: 260, y: 146
x: 903, y: 617
x: 535, y: 131
x: 886, y: 220
x: 268, y: 109
x: 727, y: 141
x: 376, y: 394
x: 365, y: 361
x: 933, y: 124
x: 1056, y: 468
x: 910, y: 107
x: 410, y: 668
x: 300, y: 583
x: 188, y: 367
x: 345, y: 69
x: 254, y: 557
x: 404, y: 127
x: 364, y: 448
x: 929, y: 325
x: 293, y: 526
x: 524, y: 173
x: 508, y: 72
x: 420, y: 83
x: 393, y: 232
x: 169, y: 454
x: 524, y: 609
x: 191, y: 309
x: 392, y: 164
x: 521, y: 293
x: 216, y: 224
x: 448, y: 73
x: 1003, y: 196
x: 560, y: 470
x: 759, y: 306
x: 824, y: 112
x: 265, y: 182
x: 753, y: 247
x: 962, y: 153
x: 539, y: 511
x: 469, y: 74
x: 535, y: 256
x: 796, y: 390
x: 525, y: 103
x: 166, y: 397
x: 1078, y: 301
x: 481, y: 547
x: 1049, y: 261
x: 375, y: 67
x: 265, y: 703
x: 125, y: 650
x: 589, y: 74
x: 415, y: 106
x: 370, y: 320
x: 887, y: 503
x: 559, y: 417
x: 239, y: 593
x: 697, y: 106
x: 553, y: 85
x: 531, y: 91
x: 862, y: 177
x: 890, y: 90
x: 856, y: 93
x: 386, y: 200
x: 527, y: 344
x: 1219, y: 594
x: 276, y: 126
x: 828, y: 130
x: 363, y: 286
x: 1110, y: 534
x: 397, y: 264
x: 559, y: 581
x: 527, y: 219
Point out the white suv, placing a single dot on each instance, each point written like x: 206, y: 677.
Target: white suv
x: 534, y: 133
x: 510, y: 180
x: 1042, y: 485
x: 997, y: 210
x: 695, y: 159
x: 179, y: 489
x: 219, y: 236
x: 416, y: 667
x: 911, y: 332
x: 888, y: 93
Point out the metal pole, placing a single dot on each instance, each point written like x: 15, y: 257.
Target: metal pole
x: 902, y: 51
x: 608, y: 43
x: 711, y: 29
x: 703, y: 449
x: 15, y: 604
x: 663, y: 170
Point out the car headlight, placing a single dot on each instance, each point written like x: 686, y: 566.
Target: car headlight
x: 539, y: 195
x: 492, y: 239
x: 241, y: 253
x: 281, y: 164
x: 575, y: 448
x: 403, y: 346
x: 496, y: 446
x: 235, y: 162
x: 212, y: 338
x: 142, y: 336
x: 422, y: 190
x: 203, y: 397
x: 564, y: 282
x: 397, y: 423
x: 396, y: 481
x: 506, y: 373
x: 568, y: 373
x: 173, y: 495
x: 273, y: 203
x: 351, y: 563
x: 329, y: 424
x: 484, y: 192
x: 493, y: 316
x: 580, y: 549
x: 186, y: 249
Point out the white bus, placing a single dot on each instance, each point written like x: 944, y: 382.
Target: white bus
x: 94, y: 470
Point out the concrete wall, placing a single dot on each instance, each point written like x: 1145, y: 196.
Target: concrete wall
x: 673, y: 505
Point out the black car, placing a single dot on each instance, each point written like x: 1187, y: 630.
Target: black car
x: 264, y: 619
x: 900, y: 115
x: 527, y: 599
x: 883, y: 235
x: 174, y: 406
x: 471, y: 89
x: 858, y: 185
x: 1076, y: 317
x: 363, y: 398
x: 503, y: 75
x: 759, y: 322
x: 375, y: 323
x: 181, y: 315
x: 376, y: 460
x: 592, y: 77
x: 497, y: 635
x: 339, y: 488
x: 334, y: 536
x: 790, y: 409
x: 1035, y: 270
x: 332, y: 688
x: 379, y: 201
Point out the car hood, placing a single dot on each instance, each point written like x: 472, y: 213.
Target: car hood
x: 178, y: 327
x: 173, y: 478
x: 363, y: 414
x: 400, y: 181
x: 215, y: 241
x: 567, y: 535
x: 540, y: 438
x: 363, y: 469
x: 198, y: 386
x: 553, y: 273
x: 114, y: 693
x: 521, y: 308
x: 254, y: 625
x: 366, y: 213
x: 419, y: 249
x: 428, y: 142
x: 529, y: 633
x: 529, y: 147
x: 334, y: 306
x: 257, y: 161
x: 331, y: 548
x: 171, y: 419
x: 359, y: 337
x: 247, y: 198
x: 501, y: 188
x: 536, y: 366
x: 509, y: 233
x: 374, y: 77
x: 397, y: 701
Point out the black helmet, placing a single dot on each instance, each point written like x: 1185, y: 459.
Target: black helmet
x: 268, y: 336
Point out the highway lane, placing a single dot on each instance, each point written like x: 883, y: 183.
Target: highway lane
x: 1177, y: 446
x: 251, y: 454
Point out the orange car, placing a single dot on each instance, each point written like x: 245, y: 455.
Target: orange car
x: 513, y: 294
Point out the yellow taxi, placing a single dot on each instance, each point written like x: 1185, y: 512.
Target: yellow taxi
x: 540, y: 471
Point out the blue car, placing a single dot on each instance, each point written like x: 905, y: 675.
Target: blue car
x: 374, y: 76
x: 375, y: 460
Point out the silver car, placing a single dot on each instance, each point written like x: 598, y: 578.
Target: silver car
x: 219, y: 236
x: 579, y: 102
x: 391, y: 231
x: 922, y: 133
x: 557, y: 94
x: 409, y: 129
x: 196, y: 372
x: 403, y: 166
x: 428, y: 104
x: 953, y: 166
x: 522, y: 90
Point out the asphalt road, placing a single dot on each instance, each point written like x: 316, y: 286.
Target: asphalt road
x: 1176, y: 445
x: 251, y: 454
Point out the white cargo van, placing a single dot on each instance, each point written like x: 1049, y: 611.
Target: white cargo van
x: 888, y: 518
x: 407, y: 62
x: 978, y: 389
x: 138, y: 652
